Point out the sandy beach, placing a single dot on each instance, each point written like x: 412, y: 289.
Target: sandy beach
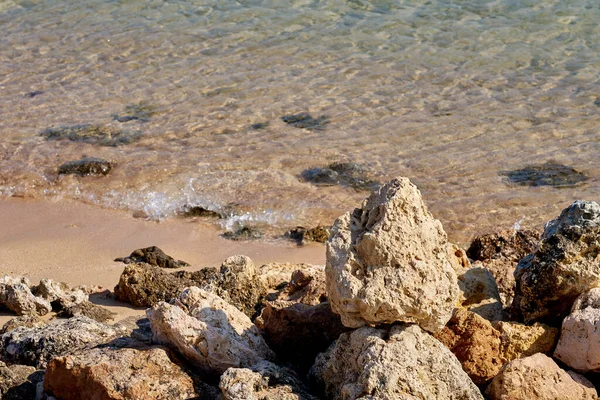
x: 76, y: 243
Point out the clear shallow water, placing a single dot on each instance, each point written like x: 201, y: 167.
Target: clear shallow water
x: 448, y: 93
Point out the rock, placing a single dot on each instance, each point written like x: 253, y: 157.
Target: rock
x: 387, y: 262
x: 564, y: 266
x: 27, y: 321
x: 144, y: 285
x: 87, y: 309
x: 107, y: 373
x: 479, y: 293
x: 85, y: 167
x: 276, y: 276
x: 59, y: 294
x: 36, y: 346
x: 302, y: 235
x: 153, y: 256
x: 17, y: 297
x: 19, y: 382
x: 138, y: 328
x: 210, y: 333
x: 198, y: 211
x: 259, y: 125
x: 404, y: 363
x: 475, y: 343
x: 265, y: 381
x: 346, y: 174
x: 142, y: 111
x: 457, y: 258
x: 520, y: 341
x: 547, y: 174
x: 580, y: 334
x: 305, y: 121
x: 243, y: 233
x: 538, y: 377
x: 102, y: 135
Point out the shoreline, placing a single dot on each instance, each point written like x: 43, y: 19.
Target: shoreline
x: 76, y: 243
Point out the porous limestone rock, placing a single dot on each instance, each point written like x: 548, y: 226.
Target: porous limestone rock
x: 19, y: 382
x: 87, y: 309
x: 479, y: 293
x: 207, y: 331
x: 520, y: 340
x: 36, y: 346
x: 578, y: 346
x: 59, y: 294
x: 475, y: 343
x: 117, y: 374
x: 387, y: 262
x: 16, y: 295
x: 277, y: 275
x: 28, y: 321
x: 153, y: 256
x: 265, y: 381
x: 538, y: 377
x: 564, y: 266
x: 144, y: 285
x: 404, y: 363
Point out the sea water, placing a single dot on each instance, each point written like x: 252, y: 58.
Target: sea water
x: 449, y: 93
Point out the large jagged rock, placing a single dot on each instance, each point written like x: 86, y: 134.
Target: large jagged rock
x: 564, y: 266
x: 538, y: 377
x: 387, y: 262
x: 520, y: 341
x: 117, y: 374
x: 144, y: 285
x: 19, y: 382
x: 499, y: 253
x: 265, y: 381
x: 59, y: 294
x: 15, y: 294
x: 580, y: 334
x: 479, y: 293
x: 36, y: 346
x: 475, y: 343
x: 153, y: 256
x: 210, y: 333
x: 404, y: 363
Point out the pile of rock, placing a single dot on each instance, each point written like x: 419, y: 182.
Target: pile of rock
x: 398, y: 312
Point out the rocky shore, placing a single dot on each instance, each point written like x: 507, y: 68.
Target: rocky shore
x: 397, y: 312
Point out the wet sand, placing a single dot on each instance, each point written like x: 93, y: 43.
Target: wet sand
x: 76, y: 243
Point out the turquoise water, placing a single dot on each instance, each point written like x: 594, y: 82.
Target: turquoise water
x: 448, y: 93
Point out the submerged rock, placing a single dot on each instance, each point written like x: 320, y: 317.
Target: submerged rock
x: 306, y: 121
x: 153, y: 256
x: 93, y: 134
x: 142, y: 111
x: 109, y: 373
x: 259, y: 125
x: 402, y: 363
x: 387, y: 262
x: 547, y: 174
x: 85, y: 167
x: 243, y: 233
x: 198, y: 211
x: 347, y: 174
x: 302, y: 235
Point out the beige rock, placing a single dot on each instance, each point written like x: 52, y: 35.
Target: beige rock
x: 16, y: 295
x: 538, y: 377
x: 276, y: 275
x: 28, y: 321
x: 475, y: 343
x: 519, y: 340
x: 404, y: 363
x: 580, y: 334
x: 387, y: 262
x: 479, y: 293
x: 117, y: 374
x: 564, y: 266
x: 59, y: 293
x: 207, y: 331
x: 457, y: 257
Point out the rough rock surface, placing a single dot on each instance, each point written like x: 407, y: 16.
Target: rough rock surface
x: 59, y: 294
x: 86, y: 166
x: 153, y: 256
x: 475, y: 343
x: 479, y: 293
x: 564, y: 266
x: 207, y: 331
x: 580, y: 334
x: 87, y: 309
x: 520, y: 341
x: 387, y: 262
x: 500, y: 252
x: 28, y: 321
x: 18, y: 382
x: 404, y: 363
x: 538, y: 377
x: 36, y: 346
x: 265, y: 381
x: 16, y: 295
x: 119, y: 374
x: 144, y: 285
x: 277, y: 275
